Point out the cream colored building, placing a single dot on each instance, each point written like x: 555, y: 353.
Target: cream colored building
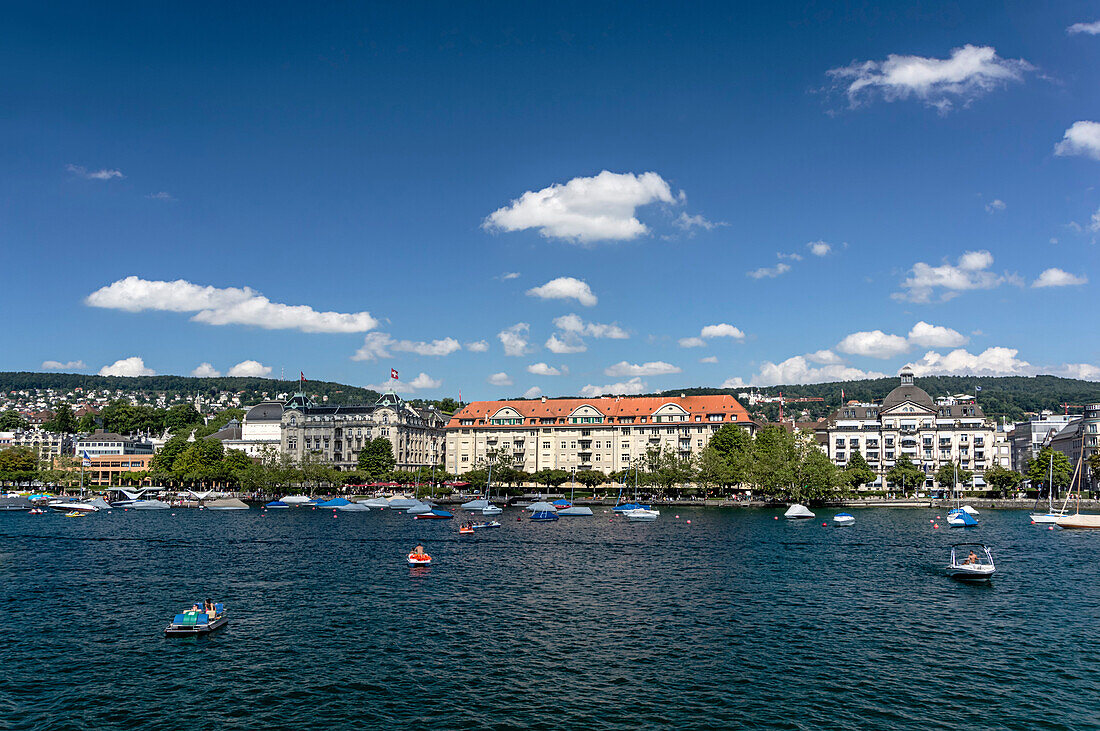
x: 931, y: 433
x: 606, y: 433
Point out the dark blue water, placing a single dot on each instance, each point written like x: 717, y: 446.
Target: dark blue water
x: 735, y: 621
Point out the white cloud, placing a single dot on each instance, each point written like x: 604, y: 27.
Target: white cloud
x: 927, y: 335
x: 769, y: 272
x: 509, y: 275
x: 798, y: 370
x: 1094, y: 222
x: 446, y: 346
x: 653, y: 368
x: 544, y: 369
x: 1083, y: 371
x: 104, y: 174
x: 421, y: 382
x: 792, y: 256
x: 990, y: 362
x: 971, y: 272
x: 687, y: 223
x: 1055, y: 277
x: 709, y: 359
x: 1091, y: 29
x: 375, y: 346
x: 514, y: 339
x: 224, y: 306
x: 533, y: 392
x: 573, y: 323
x: 1082, y: 138
x: 161, y: 196
x: 205, y: 370
x: 567, y: 343
x: 996, y: 205
x: 499, y: 379
x: 819, y: 248
x: 129, y: 367
x: 585, y: 210
x: 873, y: 344
x: 722, y: 330
x: 56, y: 365
x: 633, y: 387
x: 692, y: 342
x: 478, y: 346
x: 249, y: 369
x: 970, y: 72
x: 824, y: 357
x: 564, y: 288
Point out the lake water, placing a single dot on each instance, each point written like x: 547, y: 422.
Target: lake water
x: 735, y: 621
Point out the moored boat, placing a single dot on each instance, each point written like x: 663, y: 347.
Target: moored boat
x: 544, y: 516
x: 276, y: 505
x: 798, y: 512
x: 844, y: 519
x: 642, y: 515
x: 961, y: 519
x: 486, y: 524
x: 434, y: 514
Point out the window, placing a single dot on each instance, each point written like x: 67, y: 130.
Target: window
x: 563, y: 445
x: 546, y: 445
x: 625, y: 458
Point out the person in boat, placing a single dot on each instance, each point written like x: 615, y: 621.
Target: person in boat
x: 208, y: 607
x: 195, y: 607
x: 972, y: 558
x: 419, y: 550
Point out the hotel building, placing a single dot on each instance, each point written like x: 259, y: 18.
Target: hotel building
x: 908, y: 421
x: 606, y: 433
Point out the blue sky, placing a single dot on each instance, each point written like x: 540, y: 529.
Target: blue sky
x: 633, y: 198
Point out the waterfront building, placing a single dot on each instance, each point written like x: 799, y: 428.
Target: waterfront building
x: 46, y: 444
x: 1028, y: 437
x: 1079, y: 440
x: 908, y: 421
x: 259, y: 435
x: 109, y: 470
x: 336, y: 434
x: 100, y: 442
x: 606, y: 433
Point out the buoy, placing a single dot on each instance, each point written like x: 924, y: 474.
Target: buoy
x: 776, y: 518
x: 1033, y: 522
x: 689, y: 522
x: 935, y: 526
x: 1050, y: 528
x: 334, y: 515
x: 824, y: 525
x: 173, y: 513
x: 677, y: 517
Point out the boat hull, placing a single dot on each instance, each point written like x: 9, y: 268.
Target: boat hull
x: 964, y: 573
x: 1079, y: 522
x: 1046, y: 518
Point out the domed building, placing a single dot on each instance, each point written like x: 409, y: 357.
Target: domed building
x: 932, y: 432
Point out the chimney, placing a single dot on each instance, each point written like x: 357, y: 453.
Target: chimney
x: 544, y: 399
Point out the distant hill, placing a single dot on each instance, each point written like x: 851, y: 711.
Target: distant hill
x: 250, y: 388
x: 1008, y: 396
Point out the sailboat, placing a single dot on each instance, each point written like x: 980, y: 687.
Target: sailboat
x: 570, y: 509
x: 1051, y: 515
x: 960, y: 516
x: 1077, y: 520
x: 484, y: 504
x: 621, y: 507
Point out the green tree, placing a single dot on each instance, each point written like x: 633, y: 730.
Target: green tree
x: 858, y: 473
x: 550, y: 478
x: 774, y: 460
x: 1038, y: 469
x: 180, y: 418
x: 18, y: 459
x: 63, y: 421
x: 88, y: 423
x: 1003, y: 480
x: 218, y: 422
x: 736, y: 445
x: 376, y: 458
x: 817, y: 476
x: 949, y: 472
x: 448, y: 405
x: 165, y: 458
x: 713, y: 469
x: 591, y: 478
x: 12, y: 421
x: 905, y: 474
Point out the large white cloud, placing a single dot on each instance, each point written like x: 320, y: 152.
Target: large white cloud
x: 224, y: 306
x: 653, y: 368
x: 824, y: 357
x: 585, y: 210
x: 566, y: 343
x: 514, y: 339
x: 499, y: 379
x: 633, y: 387
x: 1091, y: 29
x: 873, y: 344
x: 378, y: 345
x: 971, y: 271
x: 545, y: 369
x: 927, y: 335
x: 968, y: 73
x: 798, y: 370
x: 1082, y: 138
x: 994, y: 361
x: 1055, y: 277
x: 564, y: 288
x: 132, y: 366
x: 56, y: 365
x: 205, y: 370
x: 573, y: 323
x: 250, y: 369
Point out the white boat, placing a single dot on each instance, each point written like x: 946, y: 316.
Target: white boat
x: 229, y: 503
x: 1051, y: 515
x: 375, y: 502
x: 478, y: 504
x: 576, y: 510
x: 976, y: 566
x: 969, y: 509
x: 542, y: 507
x: 74, y: 507
x: 961, y: 519
x: 796, y: 512
x: 353, y: 508
x: 149, y: 505
x: 295, y: 500
x: 492, y: 510
x: 844, y: 519
x: 642, y: 515
x: 402, y: 502
x: 419, y: 509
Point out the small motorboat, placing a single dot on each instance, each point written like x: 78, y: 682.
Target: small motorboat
x: 976, y: 566
x: 149, y: 505
x: 419, y: 509
x: 969, y: 509
x: 276, y: 505
x: 491, y: 509
x: 844, y: 519
x: 961, y: 519
x: 419, y: 559
x: 36, y: 511
x: 74, y: 507
x: 574, y: 510
x: 625, y: 507
x: 466, y: 530
x: 195, y: 622
x: 434, y: 514
x: 798, y: 512
x: 486, y: 524
x: 544, y: 516
x: 353, y: 508
x: 296, y: 499
x: 642, y: 515
x: 375, y: 502
x: 475, y: 504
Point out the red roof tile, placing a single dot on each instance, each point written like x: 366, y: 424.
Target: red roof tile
x: 608, y: 406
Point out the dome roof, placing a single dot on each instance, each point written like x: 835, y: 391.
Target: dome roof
x: 908, y: 392
x: 266, y: 411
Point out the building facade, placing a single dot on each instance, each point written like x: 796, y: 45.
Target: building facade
x: 100, y: 443
x: 47, y: 444
x: 605, y: 434
x: 909, y: 422
x: 1079, y: 440
x: 336, y: 434
x: 1028, y: 437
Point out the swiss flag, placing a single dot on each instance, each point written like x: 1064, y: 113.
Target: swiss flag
x: 393, y: 373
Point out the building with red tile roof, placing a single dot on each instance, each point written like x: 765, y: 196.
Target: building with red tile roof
x: 607, y: 433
